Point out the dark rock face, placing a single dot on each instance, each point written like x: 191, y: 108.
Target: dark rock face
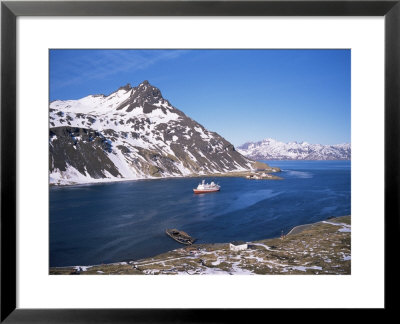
x: 84, y: 149
x: 145, y: 95
x: 133, y: 133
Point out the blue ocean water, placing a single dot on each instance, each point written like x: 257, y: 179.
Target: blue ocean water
x: 111, y: 222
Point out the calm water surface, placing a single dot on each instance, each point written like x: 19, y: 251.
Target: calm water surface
x: 102, y: 223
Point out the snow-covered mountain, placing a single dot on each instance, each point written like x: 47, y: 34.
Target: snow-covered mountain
x: 270, y: 149
x: 133, y: 133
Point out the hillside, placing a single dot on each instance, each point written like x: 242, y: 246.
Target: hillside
x: 133, y: 133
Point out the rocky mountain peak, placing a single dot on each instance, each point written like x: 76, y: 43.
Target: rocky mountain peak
x: 126, y: 87
x: 147, y: 92
x: 143, y: 96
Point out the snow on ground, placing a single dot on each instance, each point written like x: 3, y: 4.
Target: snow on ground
x: 72, y: 176
x: 99, y: 104
x: 345, y: 227
x: 260, y: 244
x: 124, y: 169
x: 82, y: 268
x: 201, y: 132
x: 302, y: 268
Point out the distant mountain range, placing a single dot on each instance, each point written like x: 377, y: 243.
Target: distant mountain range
x: 133, y: 133
x: 270, y: 149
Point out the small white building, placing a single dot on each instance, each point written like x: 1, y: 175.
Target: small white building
x: 238, y: 246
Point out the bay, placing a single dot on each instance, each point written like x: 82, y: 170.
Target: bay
x: 123, y: 221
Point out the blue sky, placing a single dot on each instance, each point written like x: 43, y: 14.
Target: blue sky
x: 244, y: 95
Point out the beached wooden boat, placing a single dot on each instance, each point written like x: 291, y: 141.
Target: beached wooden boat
x: 180, y: 236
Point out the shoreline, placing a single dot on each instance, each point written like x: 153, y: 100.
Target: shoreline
x: 239, y: 174
x: 310, y: 231
x: 233, y: 174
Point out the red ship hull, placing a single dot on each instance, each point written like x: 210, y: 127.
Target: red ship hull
x: 199, y: 191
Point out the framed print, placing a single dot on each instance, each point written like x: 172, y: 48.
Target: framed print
x: 257, y: 141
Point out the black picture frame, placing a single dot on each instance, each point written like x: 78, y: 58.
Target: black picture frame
x: 10, y: 10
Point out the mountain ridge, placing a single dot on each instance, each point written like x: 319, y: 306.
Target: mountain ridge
x: 271, y: 149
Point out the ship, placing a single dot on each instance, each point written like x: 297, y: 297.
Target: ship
x: 180, y: 236
x: 206, y: 188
